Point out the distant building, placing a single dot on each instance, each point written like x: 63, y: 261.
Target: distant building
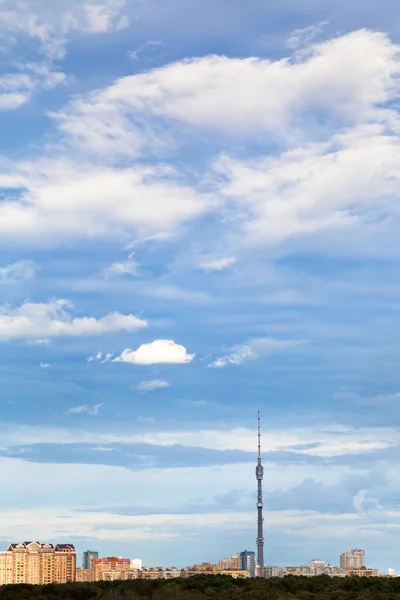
x: 269, y: 572
x: 136, y: 564
x: 37, y: 564
x: 236, y: 573
x: 110, y: 568
x: 316, y: 564
x: 391, y: 573
x: 87, y: 558
x: 248, y: 562
x: 159, y: 573
x: 363, y: 572
x: 232, y: 563
x: 353, y: 559
x: 83, y: 575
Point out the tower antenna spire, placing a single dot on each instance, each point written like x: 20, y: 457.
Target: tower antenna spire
x: 260, y: 519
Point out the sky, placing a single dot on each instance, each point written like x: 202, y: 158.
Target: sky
x: 199, y: 219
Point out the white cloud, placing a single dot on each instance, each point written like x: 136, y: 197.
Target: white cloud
x: 55, y: 319
x: 304, y: 36
x: 134, y: 54
x: 254, y: 348
x: 247, y: 95
x: 310, y: 188
x: 218, y: 265
x: 319, y: 440
x: 45, y: 365
x: 155, y: 384
x: 239, y: 354
x: 347, y: 184
x: 50, y: 23
x: 128, y: 267
x: 85, y: 409
x: 62, y: 200
x: 157, y: 352
x: 24, y: 269
x: 16, y: 89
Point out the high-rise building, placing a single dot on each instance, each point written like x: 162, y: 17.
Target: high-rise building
x: 353, y: 559
x: 87, y: 557
x: 110, y: 568
x: 37, y: 564
x: 248, y: 562
x: 136, y: 564
x: 260, y: 520
x: 317, y: 566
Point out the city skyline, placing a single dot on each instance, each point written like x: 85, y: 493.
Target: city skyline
x: 199, y: 221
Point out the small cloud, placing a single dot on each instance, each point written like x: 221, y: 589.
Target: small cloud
x: 199, y: 403
x: 24, y: 269
x: 254, y: 348
x: 236, y: 358
x: 157, y: 352
x: 103, y: 449
x: 146, y: 419
x: 134, y: 54
x: 104, y: 358
x: 85, y: 409
x: 303, y: 37
x: 148, y: 386
x: 40, y: 342
x: 45, y: 365
x: 218, y: 265
x: 129, y: 267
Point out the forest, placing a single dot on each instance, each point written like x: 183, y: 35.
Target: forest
x: 214, y: 587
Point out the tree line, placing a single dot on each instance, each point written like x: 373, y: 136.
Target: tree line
x: 215, y: 587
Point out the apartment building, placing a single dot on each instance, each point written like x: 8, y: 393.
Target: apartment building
x: 110, y: 568
x: 353, y: 559
x: 37, y: 564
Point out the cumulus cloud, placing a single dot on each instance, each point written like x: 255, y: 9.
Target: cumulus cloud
x: 55, y: 318
x: 154, y: 384
x: 254, y: 348
x: 24, y: 269
x: 218, y: 265
x: 157, y: 352
x: 85, y: 409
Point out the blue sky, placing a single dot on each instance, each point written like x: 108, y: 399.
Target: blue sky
x: 199, y: 219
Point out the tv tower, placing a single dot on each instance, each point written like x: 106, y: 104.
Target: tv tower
x: 259, y: 477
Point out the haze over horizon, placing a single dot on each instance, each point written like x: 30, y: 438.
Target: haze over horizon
x: 199, y: 219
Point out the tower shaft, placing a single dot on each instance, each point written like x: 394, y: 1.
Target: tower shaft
x: 260, y: 520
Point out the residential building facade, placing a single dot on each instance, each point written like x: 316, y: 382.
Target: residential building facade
x: 83, y: 575
x: 37, y: 564
x: 353, y: 559
x: 110, y: 568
